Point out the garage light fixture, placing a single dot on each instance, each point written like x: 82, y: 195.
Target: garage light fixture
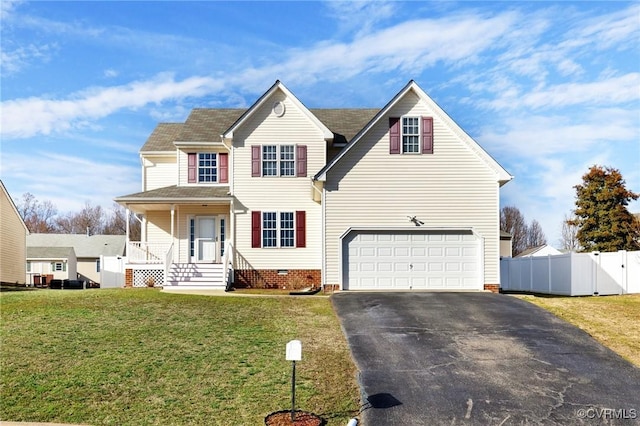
x: 415, y: 220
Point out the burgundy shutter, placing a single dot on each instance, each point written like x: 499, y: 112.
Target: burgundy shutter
x: 301, y: 158
x: 256, y: 229
x: 394, y: 135
x: 301, y: 229
x: 427, y: 135
x: 223, y: 164
x: 255, y: 160
x: 192, y: 167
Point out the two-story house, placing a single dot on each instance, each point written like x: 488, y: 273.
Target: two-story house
x: 280, y: 195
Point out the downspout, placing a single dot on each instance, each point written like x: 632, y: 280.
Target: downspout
x: 323, y: 271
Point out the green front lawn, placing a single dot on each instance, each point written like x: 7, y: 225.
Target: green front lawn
x: 142, y: 357
x: 612, y: 320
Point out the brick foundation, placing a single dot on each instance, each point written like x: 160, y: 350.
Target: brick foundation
x: 128, y: 278
x: 494, y: 288
x: 330, y: 288
x: 292, y: 279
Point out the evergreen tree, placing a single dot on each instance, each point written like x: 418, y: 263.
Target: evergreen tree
x: 601, y: 212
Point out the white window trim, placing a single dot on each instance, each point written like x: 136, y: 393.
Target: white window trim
x: 217, y: 168
x: 402, y: 135
x: 278, y: 229
x: 278, y: 161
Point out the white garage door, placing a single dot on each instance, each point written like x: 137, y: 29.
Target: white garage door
x: 411, y: 260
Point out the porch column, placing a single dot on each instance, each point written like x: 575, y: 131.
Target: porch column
x: 128, y: 216
x: 173, y: 214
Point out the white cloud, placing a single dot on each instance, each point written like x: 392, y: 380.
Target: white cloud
x: 86, y: 179
x: 27, y: 117
x: 13, y: 61
x: 111, y: 73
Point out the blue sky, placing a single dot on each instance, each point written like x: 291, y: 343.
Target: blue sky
x: 547, y: 88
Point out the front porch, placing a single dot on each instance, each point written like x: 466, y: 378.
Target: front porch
x: 185, y: 240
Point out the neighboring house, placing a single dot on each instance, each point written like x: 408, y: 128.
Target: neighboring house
x: 13, y: 236
x: 48, y: 263
x: 506, y: 244
x: 354, y: 199
x: 88, y: 252
x: 543, y: 250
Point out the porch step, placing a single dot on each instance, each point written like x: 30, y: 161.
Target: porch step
x: 191, y: 276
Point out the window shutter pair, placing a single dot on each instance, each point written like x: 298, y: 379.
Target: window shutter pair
x: 301, y: 160
x: 223, y: 167
x: 256, y: 229
x: 395, y: 144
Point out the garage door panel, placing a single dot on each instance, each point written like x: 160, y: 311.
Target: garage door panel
x: 411, y: 260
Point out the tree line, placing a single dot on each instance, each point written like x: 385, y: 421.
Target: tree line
x: 43, y: 217
x: 600, y: 221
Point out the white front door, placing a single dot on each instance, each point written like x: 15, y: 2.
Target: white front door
x: 206, y: 239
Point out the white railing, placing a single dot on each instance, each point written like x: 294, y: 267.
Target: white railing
x: 155, y: 253
x: 168, y: 260
x: 227, y: 264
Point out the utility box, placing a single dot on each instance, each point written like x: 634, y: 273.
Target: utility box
x: 294, y: 350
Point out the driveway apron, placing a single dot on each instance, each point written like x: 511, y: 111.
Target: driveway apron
x: 480, y: 358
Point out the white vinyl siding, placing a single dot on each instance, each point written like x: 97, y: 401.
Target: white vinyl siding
x: 266, y: 194
x: 159, y: 172
x: 13, y: 243
x: 452, y: 188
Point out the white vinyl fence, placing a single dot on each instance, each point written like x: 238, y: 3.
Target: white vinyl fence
x: 112, y: 271
x: 573, y: 274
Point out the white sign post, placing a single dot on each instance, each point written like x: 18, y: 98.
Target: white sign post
x: 293, y: 354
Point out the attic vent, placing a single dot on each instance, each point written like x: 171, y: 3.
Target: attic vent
x: 278, y: 109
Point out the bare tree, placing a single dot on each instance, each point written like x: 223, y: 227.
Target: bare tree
x: 535, y: 235
x: 116, y: 224
x: 569, y: 233
x: 512, y: 221
x: 37, y: 216
x: 89, y: 220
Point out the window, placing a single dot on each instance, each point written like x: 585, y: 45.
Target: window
x: 208, y: 167
x: 269, y: 229
x: 222, y: 236
x: 58, y: 266
x: 279, y: 160
x: 287, y: 229
x: 192, y: 237
x: 287, y: 161
x: 207, y: 170
x: 29, y: 266
x: 278, y: 229
x: 410, y: 135
x: 98, y: 265
x: 269, y: 160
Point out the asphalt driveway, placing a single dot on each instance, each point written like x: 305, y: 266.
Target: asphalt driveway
x: 480, y: 358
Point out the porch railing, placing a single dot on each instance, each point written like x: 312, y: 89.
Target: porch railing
x: 140, y: 252
x: 227, y: 264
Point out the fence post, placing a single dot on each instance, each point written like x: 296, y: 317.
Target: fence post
x: 549, y: 271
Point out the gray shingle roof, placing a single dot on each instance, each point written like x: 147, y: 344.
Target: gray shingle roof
x: 91, y: 246
x: 207, y: 124
x: 162, y: 137
x: 178, y: 192
x: 52, y: 253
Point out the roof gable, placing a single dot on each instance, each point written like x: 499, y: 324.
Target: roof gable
x: 13, y: 205
x: 412, y: 87
x: 277, y: 86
